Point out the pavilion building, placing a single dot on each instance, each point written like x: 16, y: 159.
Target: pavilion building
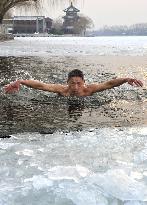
x: 70, y: 19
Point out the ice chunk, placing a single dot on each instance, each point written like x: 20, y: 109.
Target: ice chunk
x: 26, y: 152
x: 140, y: 157
x: 134, y: 203
x: 4, y: 145
x: 39, y: 182
x: 143, y: 131
x: 68, y: 172
x: 120, y: 185
x: 82, y: 194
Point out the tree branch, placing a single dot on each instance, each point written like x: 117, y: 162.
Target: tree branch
x: 8, y: 4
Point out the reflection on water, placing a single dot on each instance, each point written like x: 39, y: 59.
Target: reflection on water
x: 75, y: 108
x: 63, y: 114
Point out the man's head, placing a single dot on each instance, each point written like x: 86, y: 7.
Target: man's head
x: 75, y: 82
x: 75, y: 73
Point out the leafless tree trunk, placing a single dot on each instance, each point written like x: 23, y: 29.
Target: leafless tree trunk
x: 5, y: 5
x: 83, y: 23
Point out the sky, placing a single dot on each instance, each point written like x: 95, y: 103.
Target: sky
x: 102, y: 12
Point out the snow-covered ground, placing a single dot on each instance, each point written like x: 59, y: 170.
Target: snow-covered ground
x: 69, y: 46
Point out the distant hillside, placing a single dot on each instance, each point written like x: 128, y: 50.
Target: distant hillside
x: 133, y: 30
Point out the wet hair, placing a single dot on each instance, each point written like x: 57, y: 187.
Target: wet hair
x: 75, y: 73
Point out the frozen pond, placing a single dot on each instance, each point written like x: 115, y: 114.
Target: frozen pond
x: 73, y: 151
x: 67, y: 46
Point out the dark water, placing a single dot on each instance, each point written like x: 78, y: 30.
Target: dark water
x: 37, y: 111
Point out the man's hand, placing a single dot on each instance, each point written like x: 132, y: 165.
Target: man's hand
x: 133, y: 81
x: 12, y: 87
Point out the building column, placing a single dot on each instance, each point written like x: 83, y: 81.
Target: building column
x: 37, y: 27
x: 44, y: 25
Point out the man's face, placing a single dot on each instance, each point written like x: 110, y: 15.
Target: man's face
x: 76, y: 85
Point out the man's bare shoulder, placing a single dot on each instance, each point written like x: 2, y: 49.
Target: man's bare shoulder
x: 94, y: 87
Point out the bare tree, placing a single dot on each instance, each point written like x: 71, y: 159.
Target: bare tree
x: 83, y: 23
x: 6, y: 5
x: 8, y: 15
x: 58, y: 23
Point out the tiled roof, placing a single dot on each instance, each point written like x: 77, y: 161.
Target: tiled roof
x: 71, y: 8
x: 28, y: 17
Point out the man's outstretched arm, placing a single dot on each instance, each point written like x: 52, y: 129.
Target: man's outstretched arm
x: 15, y: 86
x: 114, y: 83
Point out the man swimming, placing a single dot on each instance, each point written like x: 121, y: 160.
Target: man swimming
x: 75, y: 85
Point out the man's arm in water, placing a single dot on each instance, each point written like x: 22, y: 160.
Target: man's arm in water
x: 114, y: 83
x: 15, y: 86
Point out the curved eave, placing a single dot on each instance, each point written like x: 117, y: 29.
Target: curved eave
x: 74, y: 9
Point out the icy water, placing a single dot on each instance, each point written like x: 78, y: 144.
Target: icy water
x: 73, y: 151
